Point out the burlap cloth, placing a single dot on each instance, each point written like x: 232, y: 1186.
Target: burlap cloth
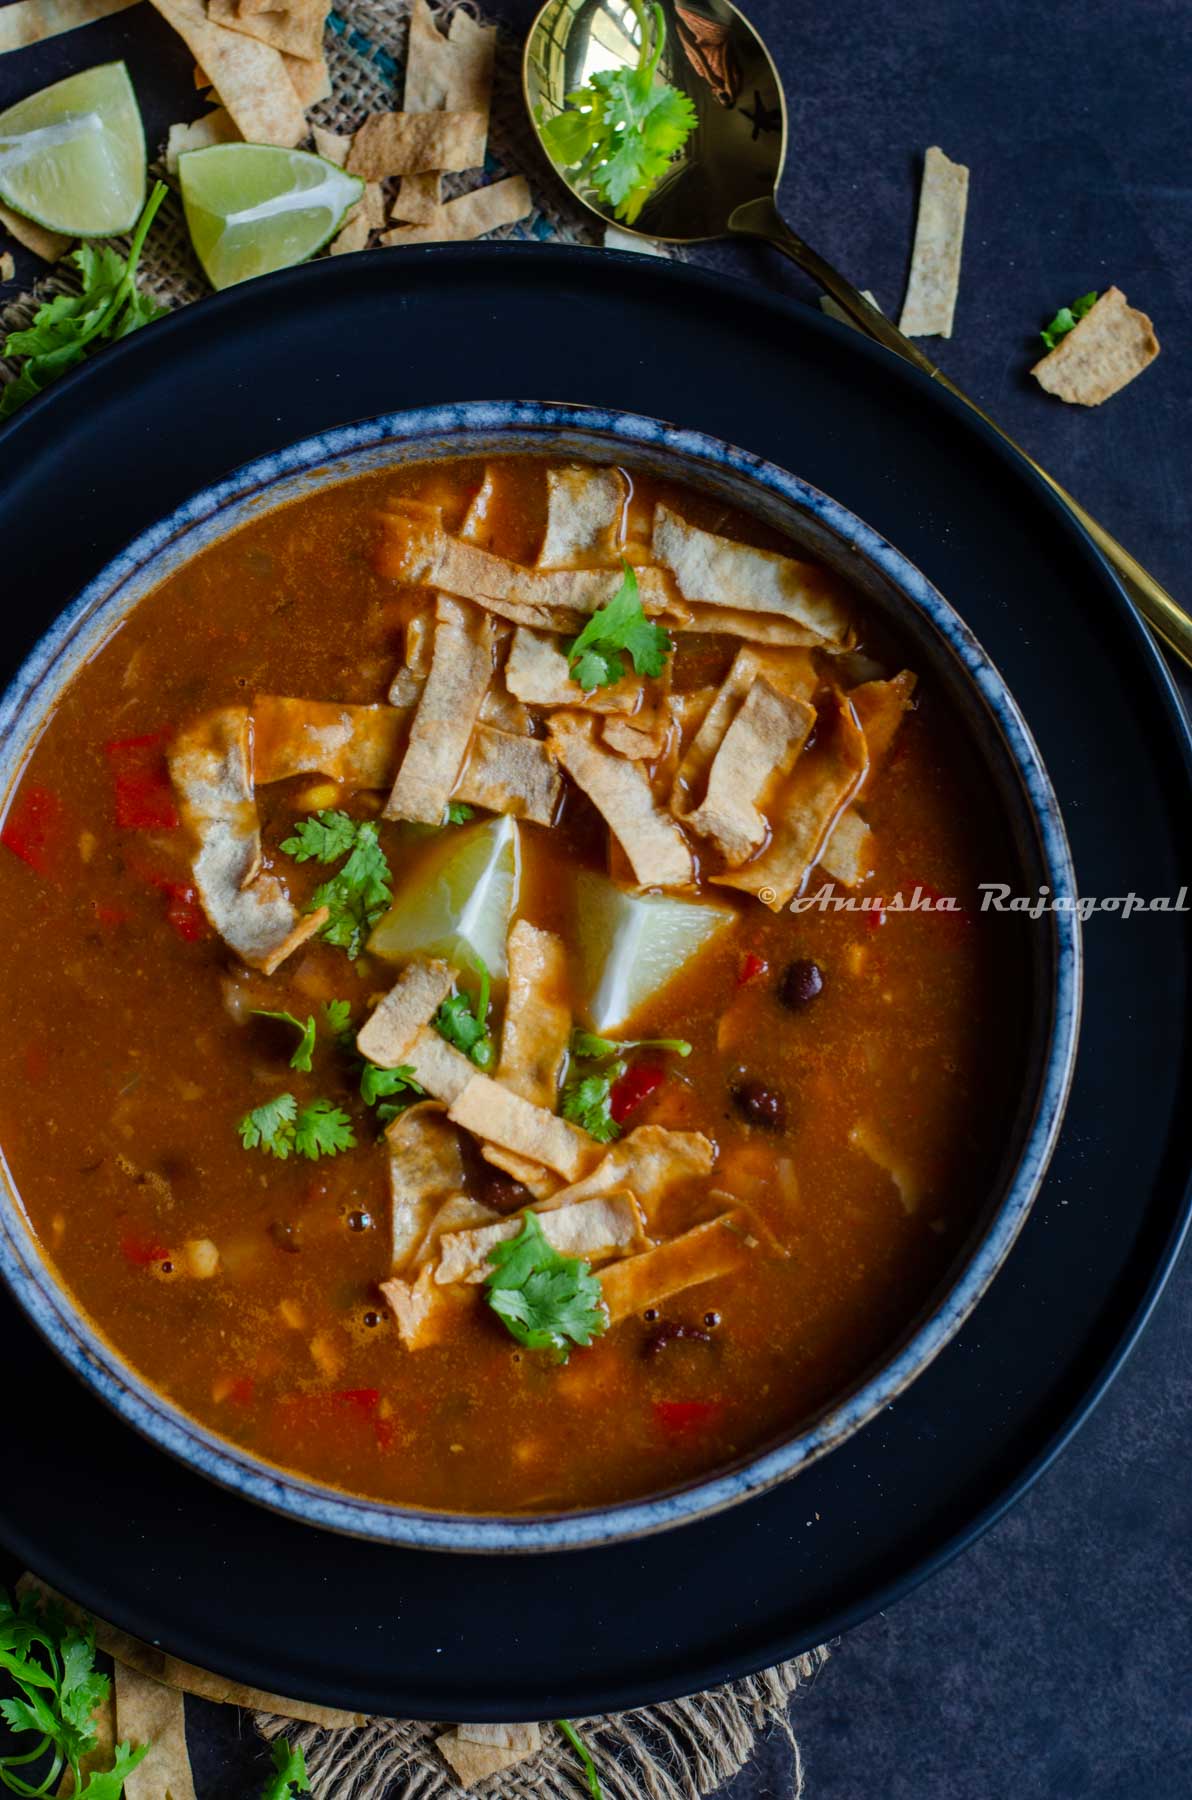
x: 680, y: 1750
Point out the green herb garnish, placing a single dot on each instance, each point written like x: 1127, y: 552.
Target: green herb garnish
x: 544, y: 1300
x: 597, y: 657
x: 458, y: 813
x: 289, y: 1776
x: 302, y: 1055
x: 362, y: 890
x: 585, y: 1757
x: 587, y: 1101
x: 465, y: 1024
x: 52, y: 1664
x: 67, y: 326
x: 1066, y: 318
x: 339, y: 1022
x: 620, y: 132
x: 595, y: 1049
x: 381, y: 1085
x: 280, y: 1127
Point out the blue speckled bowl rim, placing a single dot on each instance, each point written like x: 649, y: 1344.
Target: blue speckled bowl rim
x: 210, y: 514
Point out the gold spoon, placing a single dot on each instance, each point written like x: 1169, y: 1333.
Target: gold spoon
x: 723, y: 184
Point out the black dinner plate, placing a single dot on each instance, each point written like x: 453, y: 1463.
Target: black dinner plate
x: 153, y: 1547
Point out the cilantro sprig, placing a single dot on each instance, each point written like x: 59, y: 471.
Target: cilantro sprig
x: 306, y: 1034
x: 595, y: 1049
x: 389, y: 1090
x: 67, y: 326
x: 289, y: 1772
x: 1066, y: 319
x: 458, y: 813
x: 359, y: 893
x: 544, y: 1300
x: 464, y: 1022
x: 620, y: 133
x: 587, y: 1101
x: 51, y: 1662
x: 597, y: 656
x: 282, y: 1128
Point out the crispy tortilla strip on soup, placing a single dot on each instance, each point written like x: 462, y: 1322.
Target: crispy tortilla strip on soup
x: 517, y: 1076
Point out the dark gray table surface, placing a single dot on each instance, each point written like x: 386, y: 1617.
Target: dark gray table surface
x: 1053, y: 1659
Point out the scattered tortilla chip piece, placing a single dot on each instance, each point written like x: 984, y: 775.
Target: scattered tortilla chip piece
x: 508, y: 773
x: 49, y: 245
x: 756, y: 628
x: 491, y: 1111
x: 419, y: 199
x: 470, y: 215
x: 537, y: 1026
x: 719, y: 1247
x: 641, y: 740
x: 655, y: 846
x: 361, y: 220
x: 789, y: 670
x: 847, y: 857
x: 149, y: 1713
x: 250, y: 77
x: 460, y: 671
x: 539, y: 1182
x: 594, y: 1228
x: 295, y: 27
x: 766, y: 735
x: 212, y: 772
x: 332, y: 146
x: 526, y: 1738
x: 934, y: 280
x: 718, y: 571
x: 585, y: 514
x: 478, y: 575
x: 1105, y: 350
x: 29, y: 21
x: 216, y: 127
x: 866, y: 1138
x: 421, y: 1309
x: 309, y: 78
x: 8, y: 267
x: 356, y: 745
x: 472, y: 1762
x: 425, y: 1165
x: 453, y: 73
x: 536, y: 672
x: 648, y: 1162
x: 834, y: 310
x: 459, y: 1212
x: 390, y: 1029
x: 823, y: 781
x: 438, y: 1066
x: 394, y: 143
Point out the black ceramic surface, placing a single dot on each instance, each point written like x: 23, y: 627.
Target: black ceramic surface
x: 402, y: 1632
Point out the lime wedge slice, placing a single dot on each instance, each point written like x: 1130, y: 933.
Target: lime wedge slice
x: 458, y: 900
x: 252, y: 208
x: 73, y: 156
x: 631, y: 945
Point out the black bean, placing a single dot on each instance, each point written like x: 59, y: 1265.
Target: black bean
x: 711, y: 1320
x: 359, y: 1221
x: 372, y: 1319
x: 760, y: 1105
x: 800, y: 985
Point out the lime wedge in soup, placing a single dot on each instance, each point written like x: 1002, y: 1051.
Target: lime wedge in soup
x: 458, y: 899
x: 631, y: 945
x: 252, y: 208
x: 73, y: 156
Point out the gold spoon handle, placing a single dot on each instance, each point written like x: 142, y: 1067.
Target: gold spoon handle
x: 1162, y: 612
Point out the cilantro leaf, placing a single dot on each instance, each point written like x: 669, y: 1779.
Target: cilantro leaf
x: 1066, y: 319
x: 466, y: 1025
x: 339, y: 1021
x: 587, y: 1102
x: 361, y: 891
x: 302, y: 1055
x: 458, y: 813
x: 270, y: 1127
x: 622, y: 131
x: 108, y: 1784
x: 67, y: 326
x: 595, y: 1049
x: 595, y: 658
x: 382, y: 1084
x: 543, y: 1299
x: 280, y: 1127
x: 289, y: 1776
x: 323, y: 1130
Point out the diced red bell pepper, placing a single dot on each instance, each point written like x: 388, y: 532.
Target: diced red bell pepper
x: 183, y: 911
x: 142, y: 1252
x: 35, y: 829
x: 634, y: 1086
x: 678, y: 1416
x: 751, y: 967
x: 144, y: 796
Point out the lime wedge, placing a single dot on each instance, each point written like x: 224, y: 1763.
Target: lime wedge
x: 458, y: 900
x: 73, y: 156
x: 631, y: 945
x: 252, y: 208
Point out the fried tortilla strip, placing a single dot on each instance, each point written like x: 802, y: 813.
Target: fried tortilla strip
x: 879, y: 705
x: 536, y: 672
x: 8, y: 267
x: 537, y: 1026
x: 295, y: 27
x: 472, y: 1762
x: 425, y: 1165
x: 212, y: 773
x: 459, y: 1212
x: 718, y: 571
x: 460, y: 671
x: 790, y: 671
x: 332, y: 146
x: 601, y: 1227
x: 310, y: 79
x: 49, y: 245
x: 491, y: 1111
x: 761, y: 744
x: 866, y: 1138
x: 847, y: 857
x: 756, y: 628
x: 719, y: 1247
x: 1104, y: 351
x: 502, y: 711
x: 823, y: 781
x: 250, y: 77
x: 934, y: 282
x: 496, y: 491
x: 360, y: 221
x: 438, y: 1066
x: 469, y: 215
x: 147, y: 1712
x: 620, y: 791
x: 29, y: 21
x: 356, y: 745
x: 453, y: 73
x: 422, y: 1310
x: 585, y: 514
x: 394, y: 143
x: 505, y: 773
x: 531, y: 1175
x: 216, y: 127
x: 648, y: 1162
x: 637, y: 742
x: 390, y: 1029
